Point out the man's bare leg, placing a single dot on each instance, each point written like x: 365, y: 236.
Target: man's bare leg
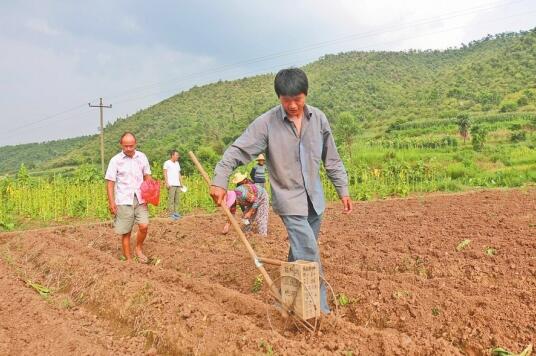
x: 140, y: 237
x: 126, y: 245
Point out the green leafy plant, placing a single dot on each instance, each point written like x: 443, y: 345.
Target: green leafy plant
x: 7, y: 225
x: 66, y: 304
x: 343, y: 299
x: 155, y: 261
x: 490, y: 251
x: 346, y: 128
x: 257, y: 284
x: 462, y: 245
x: 499, y: 351
x: 23, y: 175
x: 266, y: 348
x: 479, y: 135
x: 436, y: 311
x: 42, y: 290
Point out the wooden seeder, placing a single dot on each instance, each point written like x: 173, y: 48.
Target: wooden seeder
x: 299, y: 296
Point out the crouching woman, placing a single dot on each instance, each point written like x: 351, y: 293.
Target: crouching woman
x: 253, y: 201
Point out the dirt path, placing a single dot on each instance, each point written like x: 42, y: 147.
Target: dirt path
x: 410, y: 290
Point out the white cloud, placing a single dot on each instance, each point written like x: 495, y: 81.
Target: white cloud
x: 52, y: 60
x: 49, y: 80
x: 129, y: 24
x: 41, y: 26
x: 403, y: 24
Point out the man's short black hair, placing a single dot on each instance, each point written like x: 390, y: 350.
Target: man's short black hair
x: 172, y: 152
x: 291, y: 82
x: 126, y: 133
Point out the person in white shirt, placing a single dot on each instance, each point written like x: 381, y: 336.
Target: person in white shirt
x: 172, y: 178
x: 126, y: 172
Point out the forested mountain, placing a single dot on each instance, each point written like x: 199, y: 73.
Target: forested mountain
x: 381, y: 90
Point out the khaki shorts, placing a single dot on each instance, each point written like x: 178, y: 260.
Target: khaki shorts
x: 128, y: 215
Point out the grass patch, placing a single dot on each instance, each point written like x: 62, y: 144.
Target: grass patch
x: 39, y: 288
x: 266, y: 348
x: 490, y: 251
x: 155, y: 261
x: 7, y: 226
x: 399, y: 294
x: 6, y: 256
x: 66, y: 304
x: 463, y: 245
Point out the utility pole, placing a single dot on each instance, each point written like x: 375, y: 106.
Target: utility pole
x: 101, y: 129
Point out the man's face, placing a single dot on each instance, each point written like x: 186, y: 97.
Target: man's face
x: 128, y: 144
x: 261, y: 162
x: 175, y: 157
x: 293, y: 105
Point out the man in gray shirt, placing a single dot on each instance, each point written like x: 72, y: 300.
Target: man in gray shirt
x: 296, y: 138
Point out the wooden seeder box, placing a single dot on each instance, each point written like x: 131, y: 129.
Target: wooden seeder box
x: 300, y: 288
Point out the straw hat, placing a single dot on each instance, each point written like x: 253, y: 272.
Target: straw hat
x: 261, y: 158
x: 238, y: 177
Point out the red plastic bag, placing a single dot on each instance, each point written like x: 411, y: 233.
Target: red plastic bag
x: 150, y: 191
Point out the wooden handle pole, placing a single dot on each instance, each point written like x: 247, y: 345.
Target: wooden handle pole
x: 270, y: 261
x: 240, y: 233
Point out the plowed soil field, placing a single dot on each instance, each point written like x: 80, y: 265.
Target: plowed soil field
x: 411, y: 285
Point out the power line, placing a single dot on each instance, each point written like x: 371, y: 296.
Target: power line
x: 286, y: 64
x: 46, y: 118
x: 293, y: 63
x: 318, y: 45
x: 281, y: 65
x: 310, y: 47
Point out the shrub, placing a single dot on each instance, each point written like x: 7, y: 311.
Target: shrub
x: 522, y: 101
x: 508, y: 106
x: 518, y: 136
x: 479, y: 137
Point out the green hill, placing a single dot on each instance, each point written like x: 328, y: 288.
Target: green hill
x: 410, y: 96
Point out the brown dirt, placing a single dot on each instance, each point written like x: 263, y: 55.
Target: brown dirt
x: 410, y: 290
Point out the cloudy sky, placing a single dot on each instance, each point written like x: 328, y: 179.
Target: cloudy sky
x: 59, y: 55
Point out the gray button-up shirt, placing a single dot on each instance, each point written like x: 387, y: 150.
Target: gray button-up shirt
x: 293, y: 161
